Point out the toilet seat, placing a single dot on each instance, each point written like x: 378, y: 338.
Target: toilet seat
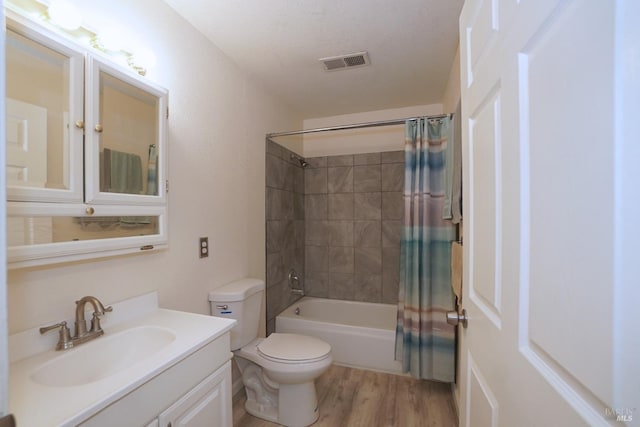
x: 293, y: 348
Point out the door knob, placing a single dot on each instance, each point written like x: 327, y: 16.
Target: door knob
x: 453, y: 318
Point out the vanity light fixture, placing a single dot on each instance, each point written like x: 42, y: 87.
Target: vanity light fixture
x: 65, y: 17
x: 64, y: 14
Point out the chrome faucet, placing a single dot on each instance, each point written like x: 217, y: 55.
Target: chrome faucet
x: 82, y: 335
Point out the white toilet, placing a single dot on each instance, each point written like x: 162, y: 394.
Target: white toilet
x: 279, y: 371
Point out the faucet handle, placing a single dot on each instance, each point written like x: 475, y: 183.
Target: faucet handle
x: 46, y: 329
x: 95, y: 319
x: 64, y: 340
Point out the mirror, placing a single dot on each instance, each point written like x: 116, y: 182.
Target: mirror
x: 38, y: 98
x: 36, y: 230
x: 128, y: 127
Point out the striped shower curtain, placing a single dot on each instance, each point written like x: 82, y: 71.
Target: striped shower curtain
x: 425, y: 343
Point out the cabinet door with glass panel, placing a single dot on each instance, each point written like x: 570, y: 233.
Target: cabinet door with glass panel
x: 44, y: 116
x: 86, y: 152
x: 124, y: 137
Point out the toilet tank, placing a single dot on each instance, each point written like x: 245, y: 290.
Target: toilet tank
x: 240, y: 300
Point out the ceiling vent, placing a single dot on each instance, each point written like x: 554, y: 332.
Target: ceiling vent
x: 343, y: 62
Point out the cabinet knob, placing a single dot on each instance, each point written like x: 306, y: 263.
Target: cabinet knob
x: 80, y: 124
x: 98, y: 128
x: 90, y: 210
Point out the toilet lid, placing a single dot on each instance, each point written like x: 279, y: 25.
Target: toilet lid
x: 293, y: 348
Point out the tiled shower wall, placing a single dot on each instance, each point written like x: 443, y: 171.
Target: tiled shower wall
x: 337, y: 222
x: 353, y: 214
x: 284, y: 227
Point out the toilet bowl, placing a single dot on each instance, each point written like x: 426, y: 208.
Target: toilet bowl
x: 287, y: 377
x: 278, y: 372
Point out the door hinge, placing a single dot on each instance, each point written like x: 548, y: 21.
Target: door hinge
x: 166, y: 186
x: 167, y: 112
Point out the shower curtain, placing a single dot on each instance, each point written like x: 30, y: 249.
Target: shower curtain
x: 425, y: 343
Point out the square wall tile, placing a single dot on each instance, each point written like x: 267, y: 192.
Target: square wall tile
x: 316, y: 233
x: 341, y: 286
x: 340, y: 160
x: 392, y: 177
x: 299, y: 226
x: 341, y: 259
x: 315, y: 180
x: 366, y: 178
x: 315, y: 206
x: 316, y: 162
x: 367, y: 206
x: 340, y: 233
x: 366, y: 159
x: 391, y: 232
x: 288, y: 235
x: 390, y: 274
x: 368, y: 260
x: 298, y: 180
x: 275, y: 236
x: 298, y: 205
x: 368, y: 288
x: 289, y: 179
x: 340, y: 206
x: 340, y: 179
x: 390, y: 290
x: 316, y: 259
x: 274, y: 208
x: 367, y: 233
x: 392, y: 205
x: 316, y: 284
x: 275, y: 269
x: 275, y: 172
x: 392, y: 157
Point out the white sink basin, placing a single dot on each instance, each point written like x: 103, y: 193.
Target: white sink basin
x: 103, y: 356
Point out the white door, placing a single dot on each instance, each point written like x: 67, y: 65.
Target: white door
x: 550, y: 117
x: 26, y: 144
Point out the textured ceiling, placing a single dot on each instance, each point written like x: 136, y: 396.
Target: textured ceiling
x: 411, y: 44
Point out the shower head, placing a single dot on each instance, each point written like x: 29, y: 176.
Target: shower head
x: 303, y: 163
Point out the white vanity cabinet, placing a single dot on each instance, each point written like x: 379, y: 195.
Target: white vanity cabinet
x: 195, y: 392
x: 86, y: 151
x: 207, y: 405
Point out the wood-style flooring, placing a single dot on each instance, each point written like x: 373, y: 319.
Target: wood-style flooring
x: 356, y: 398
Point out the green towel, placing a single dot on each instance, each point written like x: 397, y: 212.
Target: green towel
x: 125, y: 171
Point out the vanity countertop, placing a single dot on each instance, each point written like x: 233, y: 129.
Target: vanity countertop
x: 35, y: 404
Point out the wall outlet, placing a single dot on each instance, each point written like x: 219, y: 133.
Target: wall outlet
x: 204, y: 247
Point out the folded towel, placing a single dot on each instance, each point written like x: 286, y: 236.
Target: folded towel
x: 121, y: 172
x: 456, y: 271
x: 456, y: 183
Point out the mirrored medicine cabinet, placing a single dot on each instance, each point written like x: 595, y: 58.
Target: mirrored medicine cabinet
x: 86, y: 156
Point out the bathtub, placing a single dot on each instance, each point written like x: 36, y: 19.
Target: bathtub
x: 361, y: 334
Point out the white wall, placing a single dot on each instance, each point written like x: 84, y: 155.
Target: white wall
x: 367, y: 140
x: 217, y: 126
x: 451, y: 95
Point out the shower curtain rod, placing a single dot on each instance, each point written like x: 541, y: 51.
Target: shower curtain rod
x: 356, y: 125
